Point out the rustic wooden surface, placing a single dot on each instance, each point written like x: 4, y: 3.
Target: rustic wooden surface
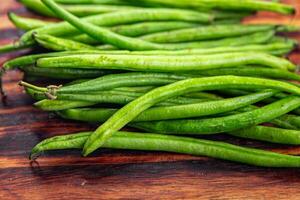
x: 122, y: 174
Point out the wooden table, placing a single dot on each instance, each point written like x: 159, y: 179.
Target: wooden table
x: 112, y: 174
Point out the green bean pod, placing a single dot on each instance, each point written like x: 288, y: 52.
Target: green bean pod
x: 134, y: 108
x: 253, y: 71
x: 166, y: 63
x: 118, y: 18
x: 206, y: 33
x: 156, y: 142
x: 223, y: 124
x: 64, y: 73
x: 24, y: 23
x: 172, y: 112
x: 269, y: 134
x: 247, y: 5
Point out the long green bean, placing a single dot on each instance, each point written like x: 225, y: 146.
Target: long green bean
x: 156, y: 142
x: 223, y: 124
x: 166, y: 63
x: 103, y: 34
x: 206, y: 33
x: 26, y: 24
x: 134, y: 108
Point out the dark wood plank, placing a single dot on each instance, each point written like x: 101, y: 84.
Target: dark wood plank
x: 115, y: 174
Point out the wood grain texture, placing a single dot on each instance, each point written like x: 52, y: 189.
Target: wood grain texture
x: 113, y: 174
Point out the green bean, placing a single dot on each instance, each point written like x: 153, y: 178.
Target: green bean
x: 134, y: 108
x: 110, y: 2
x: 60, y: 44
x: 206, y: 33
x: 122, y: 80
x: 223, y: 124
x: 37, y: 6
x: 248, y: 5
x: 269, y: 134
x: 253, y: 71
x: 26, y: 24
x: 63, y: 73
x: 54, y: 105
x: 103, y: 34
x: 166, y: 63
x: 156, y: 142
x: 172, y: 112
x: 134, y: 30
x: 117, y: 18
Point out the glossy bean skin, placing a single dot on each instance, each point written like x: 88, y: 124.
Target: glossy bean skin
x: 26, y: 24
x: 118, y: 18
x: 206, y: 33
x: 103, y: 34
x: 156, y: 142
x: 223, y: 124
x: 166, y: 63
x: 269, y: 134
x: 126, y: 114
x: 172, y: 112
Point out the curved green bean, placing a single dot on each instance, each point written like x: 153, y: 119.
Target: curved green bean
x: 156, y: 142
x: 223, y: 124
x: 134, y: 108
x: 104, y: 34
x: 26, y: 23
x: 166, y: 63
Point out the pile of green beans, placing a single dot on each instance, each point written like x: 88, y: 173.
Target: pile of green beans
x: 184, y: 68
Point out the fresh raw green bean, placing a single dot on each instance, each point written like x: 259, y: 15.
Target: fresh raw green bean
x: 109, y: 2
x: 134, y: 108
x: 248, y: 5
x: 223, y: 124
x: 172, y: 112
x: 269, y: 134
x: 166, y: 63
x: 138, y: 29
x: 205, y: 33
x: 37, y: 6
x: 118, y: 18
x: 156, y: 142
x: 253, y: 71
x: 60, y: 44
x: 63, y: 73
x: 103, y: 34
x: 26, y: 24
x: 54, y: 105
x: 132, y: 79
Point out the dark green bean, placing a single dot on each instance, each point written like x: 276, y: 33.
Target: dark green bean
x: 156, y: 142
x: 134, y: 108
x: 166, y: 63
x: 63, y: 73
x: 223, y: 124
